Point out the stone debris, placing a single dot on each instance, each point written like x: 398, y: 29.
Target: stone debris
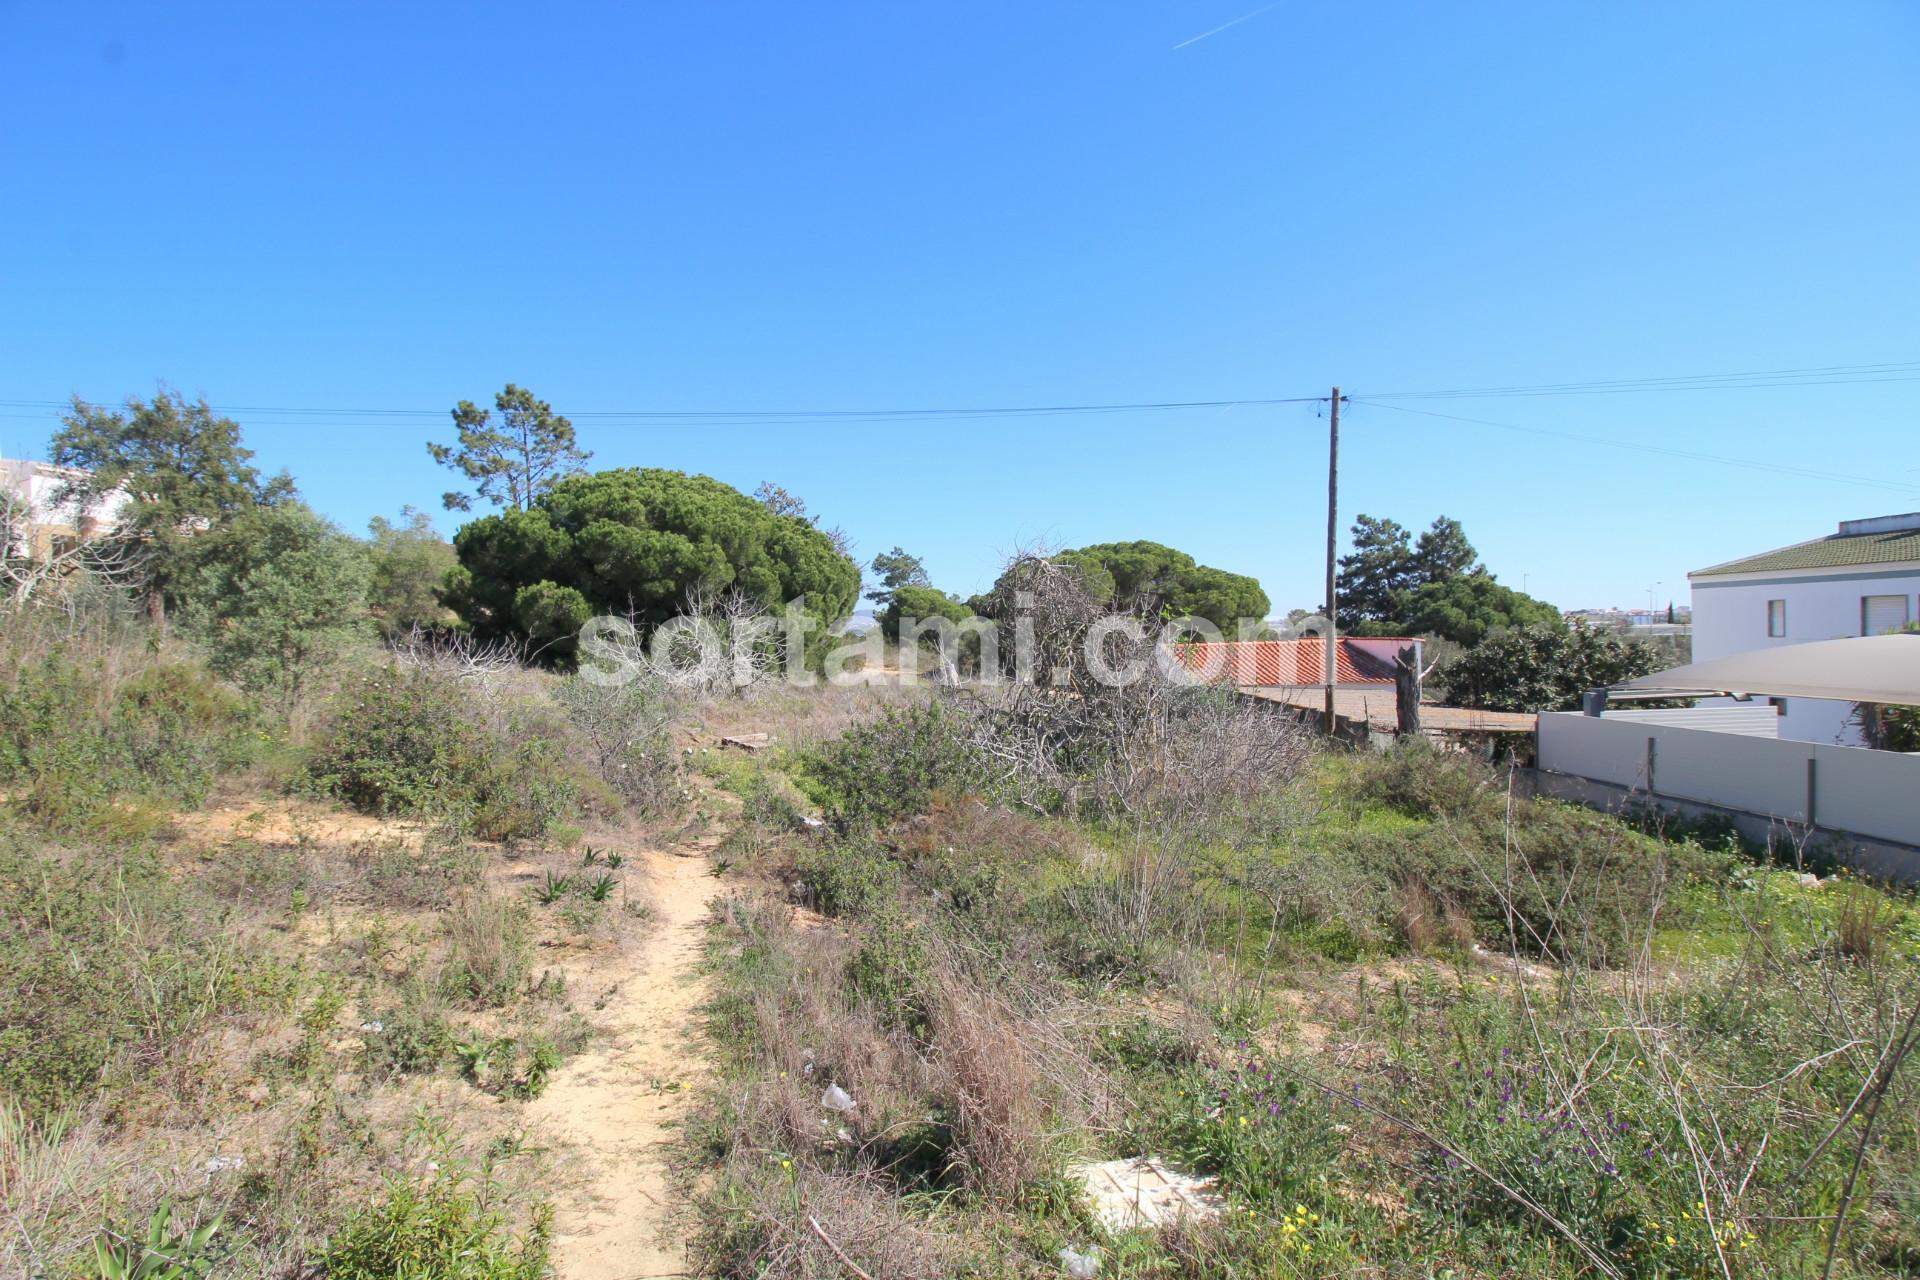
x: 1146, y: 1191
x: 748, y: 741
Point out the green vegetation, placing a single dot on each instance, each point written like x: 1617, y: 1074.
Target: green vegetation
x: 1387, y: 567
x: 186, y: 471
x: 82, y: 734
x: 515, y: 462
x: 408, y: 562
x: 1544, y: 668
x: 418, y: 741
x: 278, y: 601
x: 1408, y: 1023
x: 636, y: 541
x: 441, y: 1229
x: 1154, y: 581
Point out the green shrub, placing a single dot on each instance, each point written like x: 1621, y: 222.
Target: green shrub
x: 1271, y: 1139
x: 401, y: 743
x: 413, y: 1038
x: 1416, y: 778
x: 73, y: 739
x: 891, y: 972
x: 1568, y: 882
x: 435, y: 1230
x: 848, y: 878
x: 409, y: 741
x: 894, y: 767
x: 107, y: 962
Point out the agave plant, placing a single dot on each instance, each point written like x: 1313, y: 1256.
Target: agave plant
x: 553, y: 889
x: 168, y: 1253
x: 591, y: 857
x: 602, y: 888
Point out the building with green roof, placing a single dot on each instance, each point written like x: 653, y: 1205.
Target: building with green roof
x: 1862, y: 579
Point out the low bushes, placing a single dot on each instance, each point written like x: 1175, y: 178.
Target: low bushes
x: 893, y: 767
x: 105, y: 958
x: 418, y: 741
x: 78, y: 733
x: 439, y: 1229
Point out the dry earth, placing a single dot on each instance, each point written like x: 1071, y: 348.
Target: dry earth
x: 614, y: 1110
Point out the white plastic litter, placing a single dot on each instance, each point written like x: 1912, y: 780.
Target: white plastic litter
x: 220, y: 1164
x: 1146, y: 1192
x: 837, y: 1099
x: 374, y: 1025
x: 1081, y: 1266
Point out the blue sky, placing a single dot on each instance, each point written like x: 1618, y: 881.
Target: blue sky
x: 699, y: 207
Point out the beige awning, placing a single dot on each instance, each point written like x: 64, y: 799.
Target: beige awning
x: 1883, y: 669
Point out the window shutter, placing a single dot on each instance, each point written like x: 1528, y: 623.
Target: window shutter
x: 1881, y: 614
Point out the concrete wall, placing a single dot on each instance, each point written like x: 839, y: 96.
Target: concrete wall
x: 1844, y: 790
x: 1730, y: 616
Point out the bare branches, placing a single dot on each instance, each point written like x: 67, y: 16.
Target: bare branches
x: 456, y: 653
x: 38, y: 562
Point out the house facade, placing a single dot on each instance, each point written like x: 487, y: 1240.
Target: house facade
x: 39, y: 526
x: 1863, y: 579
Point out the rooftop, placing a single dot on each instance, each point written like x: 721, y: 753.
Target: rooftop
x: 1881, y: 540
x: 1270, y: 663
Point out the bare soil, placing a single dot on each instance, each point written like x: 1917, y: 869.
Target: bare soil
x: 612, y: 1114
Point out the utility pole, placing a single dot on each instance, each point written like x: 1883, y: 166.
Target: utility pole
x: 1333, y: 540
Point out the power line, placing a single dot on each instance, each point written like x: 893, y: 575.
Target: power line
x: 750, y: 417
x: 1750, y: 464
x: 1811, y: 376
x: 1817, y: 376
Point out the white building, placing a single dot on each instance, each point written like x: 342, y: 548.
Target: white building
x: 1860, y: 581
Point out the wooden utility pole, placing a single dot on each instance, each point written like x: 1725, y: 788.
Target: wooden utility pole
x: 1333, y: 539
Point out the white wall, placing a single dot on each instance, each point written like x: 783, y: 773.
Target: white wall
x: 1756, y: 719
x: 1730, y: 616
x: 1867, y: 793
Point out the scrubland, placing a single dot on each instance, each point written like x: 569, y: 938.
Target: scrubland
x: 281, y: 991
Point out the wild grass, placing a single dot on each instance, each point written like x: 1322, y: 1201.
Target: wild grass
x: 1410, y: 1021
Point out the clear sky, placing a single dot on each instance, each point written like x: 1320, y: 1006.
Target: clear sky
x: 758, y: 206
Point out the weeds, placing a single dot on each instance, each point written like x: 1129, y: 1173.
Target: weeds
x: 441, y: 1227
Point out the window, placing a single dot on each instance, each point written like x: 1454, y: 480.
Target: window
x: 1776, y: 617
x: 1881, y: 614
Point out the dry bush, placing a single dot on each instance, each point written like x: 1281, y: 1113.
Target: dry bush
x: 1861, y: 919
x: 1066, y: 735
x: 489, y: 948
x: 810, y: 1224
x: 998, y: 1109
x: 1428, y: 923
x: 805, y: 1028
x: 57, y: 1174
x: 800, y: 715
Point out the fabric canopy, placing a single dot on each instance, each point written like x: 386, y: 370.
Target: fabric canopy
x: 1883, y: 669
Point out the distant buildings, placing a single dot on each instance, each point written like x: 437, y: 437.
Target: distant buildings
x: 1861, y: 580
x: 1652, y: 622
x: 37, y: 526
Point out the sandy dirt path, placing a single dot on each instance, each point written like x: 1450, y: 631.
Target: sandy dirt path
x: 616, y: 1106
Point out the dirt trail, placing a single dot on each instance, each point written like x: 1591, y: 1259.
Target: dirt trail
x: 617, y: 1104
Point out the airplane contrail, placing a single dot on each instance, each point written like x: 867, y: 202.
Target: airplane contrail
x: 1223, y: 26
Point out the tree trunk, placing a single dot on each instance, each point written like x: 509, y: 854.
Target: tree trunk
x: 1406, y: 691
